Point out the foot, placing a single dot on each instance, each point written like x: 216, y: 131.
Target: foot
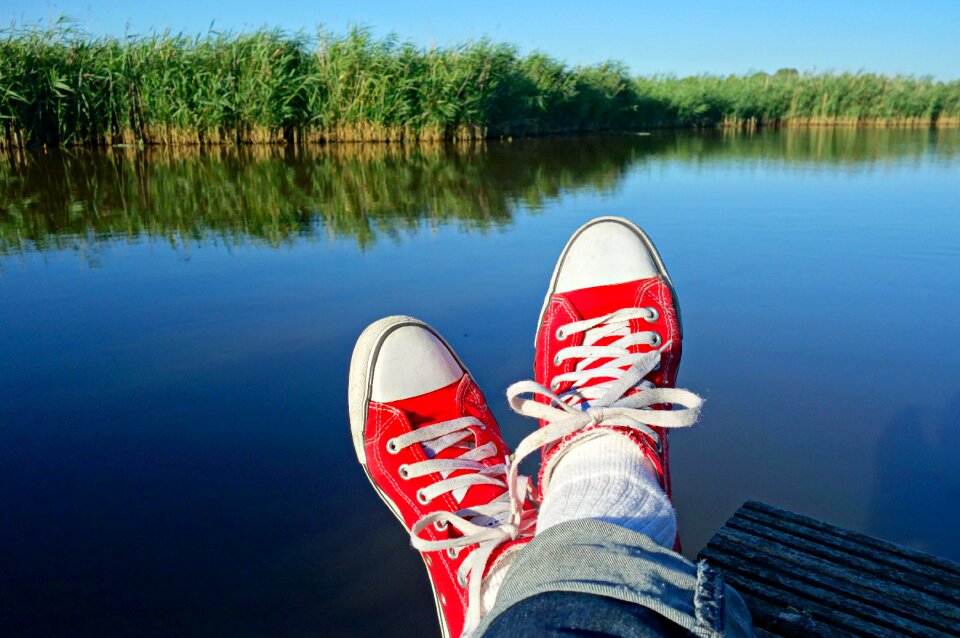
x: 607, y: 352
x: 433, y: 452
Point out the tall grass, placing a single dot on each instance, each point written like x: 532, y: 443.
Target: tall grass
x: 61, y: 87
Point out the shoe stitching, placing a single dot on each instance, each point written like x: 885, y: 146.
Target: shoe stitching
x: 658, y: 295
x: 546, y: 359
x: 665, y: 299
x: 380, y: 428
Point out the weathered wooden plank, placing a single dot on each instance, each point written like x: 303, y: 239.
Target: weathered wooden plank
x: 897, y: 561
x: 880, y: 545
x: 879, y: 621
x: 832, y: 591
x: 801, y: 577
x: 908, y: 602
x: 825, y: 616
x: 847, y: 557
x: 774, y: 619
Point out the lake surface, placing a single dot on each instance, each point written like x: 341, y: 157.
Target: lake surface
x: 175, y: 457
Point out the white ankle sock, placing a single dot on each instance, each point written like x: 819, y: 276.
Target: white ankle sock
x: 607, y: 478
x: 491, y: 584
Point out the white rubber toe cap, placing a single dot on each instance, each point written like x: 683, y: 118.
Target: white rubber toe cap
x: 411, y: 361
x: 606, y: 252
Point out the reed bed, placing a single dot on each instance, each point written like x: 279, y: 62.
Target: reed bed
x: 63, y: 87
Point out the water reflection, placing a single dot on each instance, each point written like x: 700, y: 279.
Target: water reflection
x: 72, y: 199
x: 174, y: 450
x: 903, y: 492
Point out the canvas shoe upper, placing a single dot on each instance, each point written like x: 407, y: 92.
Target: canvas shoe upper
x: 433, y: 452
x: 608, y: 349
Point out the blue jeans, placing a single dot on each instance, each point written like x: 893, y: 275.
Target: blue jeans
x: 593, y: 578
x: 561, y: 614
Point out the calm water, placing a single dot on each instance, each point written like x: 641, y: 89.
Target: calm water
x: 176, y: 329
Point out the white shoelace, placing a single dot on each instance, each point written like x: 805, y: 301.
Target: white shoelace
x: 604, y: 403
x: 488, y: 526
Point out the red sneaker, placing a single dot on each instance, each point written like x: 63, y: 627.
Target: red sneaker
x: 433, y: 452
x: 607, y: 350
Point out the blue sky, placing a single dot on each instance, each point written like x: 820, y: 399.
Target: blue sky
x: 680, y: 37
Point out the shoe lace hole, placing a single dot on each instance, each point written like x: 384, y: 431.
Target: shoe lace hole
x: 560, y: 334
x: 440, y: 526
x: 461, y: 580
x: 453, y: 552
x: 656, y: 340
x: 654, y: 314
x: 404, y: 472
x: 557, y: 361
x: 392, y: 447
x: 422, y: 498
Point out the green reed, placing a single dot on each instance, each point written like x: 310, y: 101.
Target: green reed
x: 63, y: 87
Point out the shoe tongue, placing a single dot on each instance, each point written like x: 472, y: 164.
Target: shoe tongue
x: 443, y: 405
x: 602, y: 300
x: 433, y: 407
x: 599, y: 301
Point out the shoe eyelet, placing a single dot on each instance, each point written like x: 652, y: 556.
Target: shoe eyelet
x: 654, y: 314
x: 656, y: 368
x: 557, y: 361
x: 656, y: 340
x: 422, y: 498
x: 392, y: 447
x: 440, y: 526
x: 452, y: 552
x: 554, y: 386
x: 443, y: 601
x: 560, y: 334
x: 404, y: 472
x: 461, y: 580
x: 428, y: 560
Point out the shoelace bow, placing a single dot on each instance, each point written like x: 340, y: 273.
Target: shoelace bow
x: 488, y: 525
x: 605, y: 403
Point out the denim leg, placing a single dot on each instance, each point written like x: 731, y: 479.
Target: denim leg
x: 562, y: 614
x: 605, y: 560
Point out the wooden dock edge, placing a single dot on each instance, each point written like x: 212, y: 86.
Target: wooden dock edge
x: 803, y: 577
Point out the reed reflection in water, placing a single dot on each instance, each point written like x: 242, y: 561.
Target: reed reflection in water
x: 75, y: 199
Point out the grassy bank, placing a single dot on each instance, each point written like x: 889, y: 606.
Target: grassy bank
x: 62, y: 87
